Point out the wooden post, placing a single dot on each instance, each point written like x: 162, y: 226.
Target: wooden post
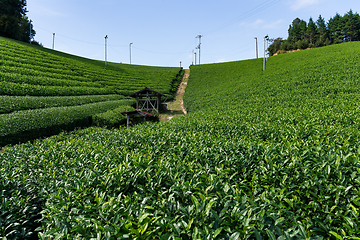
x: 158, y: 103
x: 127, y: 121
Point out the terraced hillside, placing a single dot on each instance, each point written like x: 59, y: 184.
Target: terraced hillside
x: 260, y: 155
x: 43, y: 91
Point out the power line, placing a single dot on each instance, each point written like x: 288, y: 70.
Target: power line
x: 78, y: 40
x: 235, y: 51
x: 159, y: 52
x: 253, y: 11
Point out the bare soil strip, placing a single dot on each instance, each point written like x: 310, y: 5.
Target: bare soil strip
x: 176, y: 108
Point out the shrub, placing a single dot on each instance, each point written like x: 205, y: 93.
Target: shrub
x: 302, y: 44
x: 112, y: 118
x: 22, y: 126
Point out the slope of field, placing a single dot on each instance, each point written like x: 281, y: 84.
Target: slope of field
x: 33, y: 78
x: 260, y: 155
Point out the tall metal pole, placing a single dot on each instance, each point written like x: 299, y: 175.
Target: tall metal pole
x: 266, y: 38
x: 192, y: 58
x: 264, y: 55
x: 130, y: 51
x: 106, y: 37
x: 198, y: 47
x: 53, y: 41
x: 257, y: 52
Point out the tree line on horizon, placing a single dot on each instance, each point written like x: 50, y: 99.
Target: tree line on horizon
x: 303, y: 35
x: 14, y: 23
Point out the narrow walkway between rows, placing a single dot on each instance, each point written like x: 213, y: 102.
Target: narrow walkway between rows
x: 176, y: 108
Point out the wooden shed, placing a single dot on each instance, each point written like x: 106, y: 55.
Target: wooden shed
x: 147, y: 99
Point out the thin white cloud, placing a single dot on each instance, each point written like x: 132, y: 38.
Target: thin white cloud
x: 299, y: 4
x: 43, y: 11
x: 273, y: 25
x: 257, y: 23
x: 260, y: 23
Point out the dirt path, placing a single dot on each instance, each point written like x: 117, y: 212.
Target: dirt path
x: 176, y: 108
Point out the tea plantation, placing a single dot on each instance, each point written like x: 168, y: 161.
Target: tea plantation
x: 261, y: 155
x: 43, y: 92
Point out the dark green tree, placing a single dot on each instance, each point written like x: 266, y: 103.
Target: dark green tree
x: 336, y: 29
x: 303, y: 35
x: 303, y: 29
x: 24, y: 34
x: 311, y: 31
x: 13, y: 21
x: 297, y: 30
x: 275, y: 46
x: 323, y: 33
x: 351, y: 26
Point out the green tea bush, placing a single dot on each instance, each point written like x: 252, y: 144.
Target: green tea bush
x: 23, y: 89
x: 35, y: 78
x: 112, y: 118
x: 19, y: 210
x: 261, y: 155
x: 25, y: 64
x: 10, y: 104
x: 24, y: 125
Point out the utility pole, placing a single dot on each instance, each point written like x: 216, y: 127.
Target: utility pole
x: 195, y: 57
x: 198, y: 47
x: 257, y: 52
x: 53, y: 41
x: 130, y: 50
x: 106, y: 37
x: 180, y: 64
x: 192, y: 57
x: 265, y: 39
x: 30, y: 31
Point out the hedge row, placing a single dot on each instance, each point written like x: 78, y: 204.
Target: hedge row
x: 10, y: 104
x: 53, y: 80
x: 21, y: 126
x: 17, y: 89
x: 112, y: 118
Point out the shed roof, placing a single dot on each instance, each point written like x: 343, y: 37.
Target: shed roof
x: 146, y: 92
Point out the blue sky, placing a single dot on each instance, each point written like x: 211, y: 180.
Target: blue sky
x: 163, y: 32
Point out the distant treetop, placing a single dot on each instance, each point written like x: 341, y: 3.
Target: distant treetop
x: 304, y: 35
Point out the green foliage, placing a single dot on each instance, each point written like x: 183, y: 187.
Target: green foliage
x: 176, y: 81
x: 302, y: 44
x: 35, y: 71
x: 19, y: 210
x: 318, y: 34
x: 29, y: 124
x: 111, y: 118
x: 261, y: 155
x: 13, y: 20
x: 10, y: 104
x: 39, y: 79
